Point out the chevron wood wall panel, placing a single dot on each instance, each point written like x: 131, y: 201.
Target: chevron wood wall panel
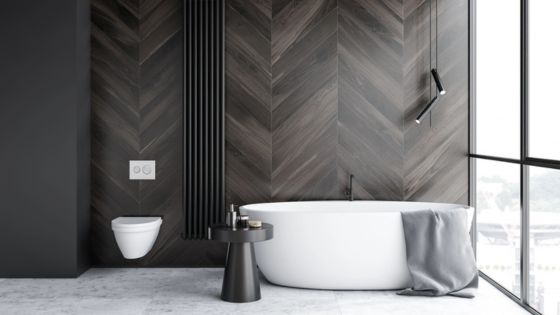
x: 436, y: 164
x: 347, y: 78
x: 370, y: 87
x: 304, y: 99
x: 136, y: 110
x: 315, y: 90
x: 248, y: 99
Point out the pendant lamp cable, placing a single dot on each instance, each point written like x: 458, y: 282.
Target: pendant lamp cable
x: 434, y: 78
x: 437, y: 56
x: 431, y: 58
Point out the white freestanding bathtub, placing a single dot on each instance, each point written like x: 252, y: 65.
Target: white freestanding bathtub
x: 337, y: 245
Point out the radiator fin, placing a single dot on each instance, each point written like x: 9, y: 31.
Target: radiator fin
x: 204, y: 117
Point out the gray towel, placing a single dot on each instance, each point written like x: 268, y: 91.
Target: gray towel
x: 439, y: 253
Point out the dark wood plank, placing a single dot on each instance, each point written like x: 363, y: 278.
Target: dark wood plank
x: 248, y: 99
x: 370, y: 138
x: 304, y: 100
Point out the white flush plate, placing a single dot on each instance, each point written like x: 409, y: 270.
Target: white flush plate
x: 142, y: 170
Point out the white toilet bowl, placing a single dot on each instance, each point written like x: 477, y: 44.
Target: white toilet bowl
x: 136, y: 235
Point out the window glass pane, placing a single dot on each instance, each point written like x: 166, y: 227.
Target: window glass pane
x: 497, y: 78
x: 498, y: 222
x: 544, y: 66
x: 544, y: 242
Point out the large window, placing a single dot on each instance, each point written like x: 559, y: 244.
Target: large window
x: 544, y: 67
x: 544, y: 239
x: 497, y: 77
x: 515, y: 148
x: 499, y: 220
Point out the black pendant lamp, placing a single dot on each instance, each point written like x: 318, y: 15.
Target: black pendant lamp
x: 437, y: 79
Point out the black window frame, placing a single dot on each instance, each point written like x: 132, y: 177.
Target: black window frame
x: 524, y: 161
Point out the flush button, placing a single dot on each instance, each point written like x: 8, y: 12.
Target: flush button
x: 146, y: 169
x: 142, y: 169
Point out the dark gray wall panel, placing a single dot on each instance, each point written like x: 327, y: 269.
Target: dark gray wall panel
x: 83, y: 129
x: 44, y: 136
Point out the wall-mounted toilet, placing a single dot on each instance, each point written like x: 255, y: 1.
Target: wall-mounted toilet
x: 136, y: 235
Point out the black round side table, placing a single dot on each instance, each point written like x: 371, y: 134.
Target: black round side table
x: 241, y: 278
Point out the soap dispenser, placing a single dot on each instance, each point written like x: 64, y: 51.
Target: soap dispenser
x: 231, y: 217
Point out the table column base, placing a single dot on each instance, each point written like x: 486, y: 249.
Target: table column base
x: 241, y: 278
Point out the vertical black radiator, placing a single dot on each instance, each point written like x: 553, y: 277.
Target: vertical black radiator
x: 203, y: 121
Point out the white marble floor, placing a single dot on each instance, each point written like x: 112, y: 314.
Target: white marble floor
x: 196, y: 291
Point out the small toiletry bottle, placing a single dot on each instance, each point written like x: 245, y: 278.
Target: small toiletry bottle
x: 243, y: 221
x: 231, y: 217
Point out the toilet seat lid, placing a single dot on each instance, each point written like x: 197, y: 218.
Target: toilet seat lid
x: 135, y: 222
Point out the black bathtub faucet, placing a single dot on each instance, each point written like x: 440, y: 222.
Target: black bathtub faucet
x: 350, y: 192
